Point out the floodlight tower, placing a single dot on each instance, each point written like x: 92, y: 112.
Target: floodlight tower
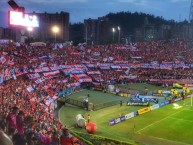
x: 191, y: 12
x: 15, y: 6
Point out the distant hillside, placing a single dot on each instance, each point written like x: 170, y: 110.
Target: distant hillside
x: 126, y: 20
x: 129, y: 21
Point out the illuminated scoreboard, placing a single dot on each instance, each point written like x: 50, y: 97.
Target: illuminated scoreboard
x: 22, y: 19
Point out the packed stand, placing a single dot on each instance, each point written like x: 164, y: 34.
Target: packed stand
x: 31, y: 79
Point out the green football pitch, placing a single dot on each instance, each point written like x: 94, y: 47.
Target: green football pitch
x: 167, y: 125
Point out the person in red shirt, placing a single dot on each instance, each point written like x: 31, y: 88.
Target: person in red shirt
x: 11, y: 120
x: 20, y: 122
x: 66, y: 138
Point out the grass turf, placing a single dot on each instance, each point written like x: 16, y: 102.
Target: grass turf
x: 163, y: 126
x: 96, y: 97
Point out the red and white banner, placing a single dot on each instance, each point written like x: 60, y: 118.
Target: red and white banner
x: 33, y: 76
x: 51, y: 73
x: 94, y: 73
x: 82, y: 78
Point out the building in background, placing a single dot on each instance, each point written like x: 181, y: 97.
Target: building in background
x: 149, y: 32
x: 138, y: 34
x: 1, y: 32
x: 96, y: 30
x: 104, y: 33
x: 47, y: 21
x: 91, y: 29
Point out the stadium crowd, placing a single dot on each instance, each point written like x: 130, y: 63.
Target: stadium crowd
x: 33, y: 77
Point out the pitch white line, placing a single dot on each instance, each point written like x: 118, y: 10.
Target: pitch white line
x: 159, y: 121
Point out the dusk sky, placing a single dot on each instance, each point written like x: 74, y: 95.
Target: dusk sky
x: 84, y: 9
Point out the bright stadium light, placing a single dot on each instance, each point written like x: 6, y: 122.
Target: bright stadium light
x: 113, y: 30
x: 119, y: 29
x: 29, y: 29
x: 55, y: 29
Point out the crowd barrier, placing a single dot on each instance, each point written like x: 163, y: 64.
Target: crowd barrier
x: 74, y: 102
x: 104, y: 105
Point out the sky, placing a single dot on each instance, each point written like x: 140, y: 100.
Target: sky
x: 79, y: 10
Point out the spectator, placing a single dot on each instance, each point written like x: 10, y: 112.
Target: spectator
x: 55, y: 138
x: 66, y: 137
x: 88, y: 118
x: 11, y: 121
x: 18, y: 139
x: 20, y: 122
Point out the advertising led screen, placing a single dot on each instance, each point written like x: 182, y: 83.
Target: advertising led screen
x: 21, y: 19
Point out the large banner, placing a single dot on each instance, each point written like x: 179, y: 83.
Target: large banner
x: 156, y: 106
x: 77, y: 84
x: 163, y: 103
x: 30, y: 88
x: 178, y: 99
x: 94, y: 72
x: 33, y: 76
x: 82, y: 78
x: 1, y: 78
x: 130, y: 115
x: 65, y: 92
x: 117, y: 120
x: 51, y: 73
x: 144, y: 110
x: 137, y: 103
x: 42, y: 69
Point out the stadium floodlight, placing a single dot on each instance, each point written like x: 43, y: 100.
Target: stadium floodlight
x: 29, y: 29
x: 13, y: 4
x: 119, y: 29
x: 113, y: 30
x: 55, y: 29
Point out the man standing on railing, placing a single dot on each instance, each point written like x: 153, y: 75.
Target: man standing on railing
x: 121, y: 103
x: 88, y: 118
x: 146, y: 91
x: 134, y: 127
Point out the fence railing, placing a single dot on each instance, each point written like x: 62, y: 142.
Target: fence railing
x: 75, y: 102
x: 107, y: 104
x: 94, y: 106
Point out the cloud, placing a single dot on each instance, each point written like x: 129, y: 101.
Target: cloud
x: 134, y: 2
